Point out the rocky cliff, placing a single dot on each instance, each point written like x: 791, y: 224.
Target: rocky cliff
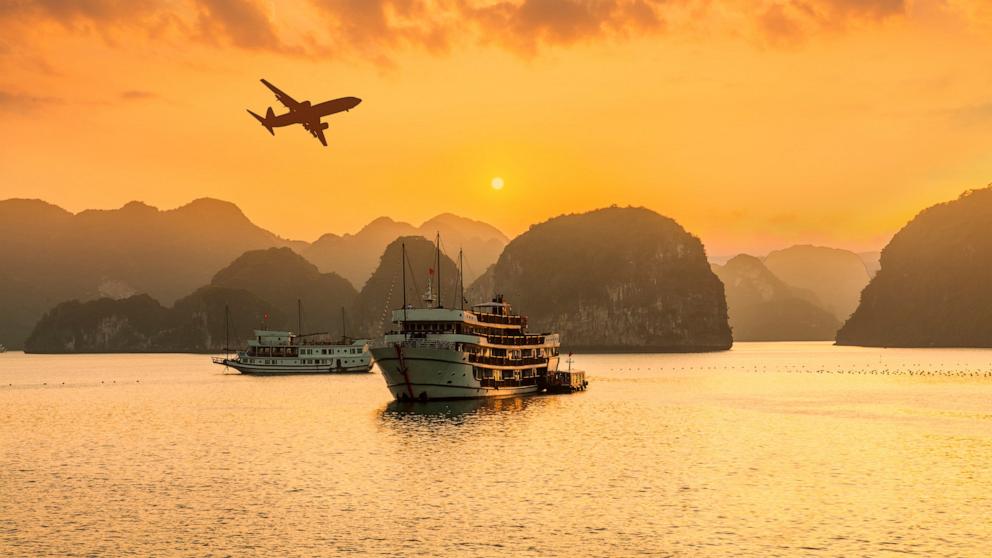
x: 763, y: 308
x: 261, y: 288
x: 615, y: 279
x: 934, y: 287
x: 140, y: 324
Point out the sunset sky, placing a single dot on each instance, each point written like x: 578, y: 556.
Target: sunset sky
x: 755, y: 123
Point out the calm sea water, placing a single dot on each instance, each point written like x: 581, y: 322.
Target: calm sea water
x: 766, y: 450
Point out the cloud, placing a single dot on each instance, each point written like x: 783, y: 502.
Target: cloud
x: 979, y: 114
x: 241, y: 22
x: 530, y: 24
x: 790, y: 21
x: 12, y: 102
x: 378, y: 30
x: 137, y: 95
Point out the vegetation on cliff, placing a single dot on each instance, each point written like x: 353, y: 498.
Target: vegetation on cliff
x: 933, y: 287
x: 615, y: 279
x: 261, y: 288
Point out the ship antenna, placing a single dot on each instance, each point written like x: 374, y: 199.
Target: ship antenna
x: 299, y: 317
x: 344, y: 325
x: 437, y: 264
x: 461, y: 281
x: 227, y: 330
x: 403, y: 265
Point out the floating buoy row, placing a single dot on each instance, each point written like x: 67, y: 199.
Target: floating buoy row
x: 905, y: 370
x: 63, y: 383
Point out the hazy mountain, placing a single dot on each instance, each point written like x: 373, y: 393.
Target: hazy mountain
x: 280, y: 277
x: 261, y: 287
x: 356, y: 256
x: 934, y: 288
x: 51, y: 255
x: 835, y: 276
x: 763, y: 308
x: 484, y: 287
x: 615, y: 279
x: 140, y: 324
x: 872, y: 260
x: 384, y: 292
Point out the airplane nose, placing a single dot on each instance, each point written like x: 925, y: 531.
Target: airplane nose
x: 355, y: 101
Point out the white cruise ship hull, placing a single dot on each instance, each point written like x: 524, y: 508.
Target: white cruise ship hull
x: 279, y: 370
x: 427, y: 373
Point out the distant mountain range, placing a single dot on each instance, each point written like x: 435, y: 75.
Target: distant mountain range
x: 762, y: 307
x: 51, y: 255
x: 934, y: 287
x: 610, y: 279
x: 355, y: 256
x: 836, y: 277
x: 262, y: 289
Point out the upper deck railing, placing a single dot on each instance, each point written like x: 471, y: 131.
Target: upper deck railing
x: 500, y: 319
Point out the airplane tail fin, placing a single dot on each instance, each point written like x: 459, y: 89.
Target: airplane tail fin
x: 264, y: 120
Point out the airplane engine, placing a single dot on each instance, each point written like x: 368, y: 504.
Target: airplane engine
x: 324, y: 125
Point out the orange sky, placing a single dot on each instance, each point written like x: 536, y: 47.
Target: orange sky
x: 756, y: 124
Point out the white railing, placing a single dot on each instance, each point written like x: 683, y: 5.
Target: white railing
x: 416, y: 343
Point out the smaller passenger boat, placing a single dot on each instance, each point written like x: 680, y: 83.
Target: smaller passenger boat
x: 274, y: 352
x: 284, y: 352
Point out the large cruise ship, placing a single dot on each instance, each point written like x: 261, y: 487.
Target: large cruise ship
x: 453, y: 353
x: 283, y: 352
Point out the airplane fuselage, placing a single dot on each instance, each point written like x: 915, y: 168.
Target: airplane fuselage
x: 306, y: 112
x: 303, y: 113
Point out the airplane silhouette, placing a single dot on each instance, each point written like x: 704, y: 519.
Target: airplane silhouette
x: 302, y: 112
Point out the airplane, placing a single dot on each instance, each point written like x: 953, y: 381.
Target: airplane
x: 302, y: 112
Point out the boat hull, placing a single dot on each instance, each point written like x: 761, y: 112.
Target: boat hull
x: 431, y: 374
x: 277, y: 370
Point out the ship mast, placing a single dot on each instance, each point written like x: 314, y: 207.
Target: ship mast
x: 299, y: 317
x: 403, y: 266
x: 461, y: 281
x: 227, y: 330
x: 437, y: 266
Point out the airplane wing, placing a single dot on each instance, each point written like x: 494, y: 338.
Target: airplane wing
x: 283, y: 98
x: 316, y: 129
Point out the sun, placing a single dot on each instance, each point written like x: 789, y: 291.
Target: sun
x: 497, y: 183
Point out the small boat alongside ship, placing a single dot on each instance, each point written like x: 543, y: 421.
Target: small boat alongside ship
x: 284, y: 352
x: 453, y: 353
